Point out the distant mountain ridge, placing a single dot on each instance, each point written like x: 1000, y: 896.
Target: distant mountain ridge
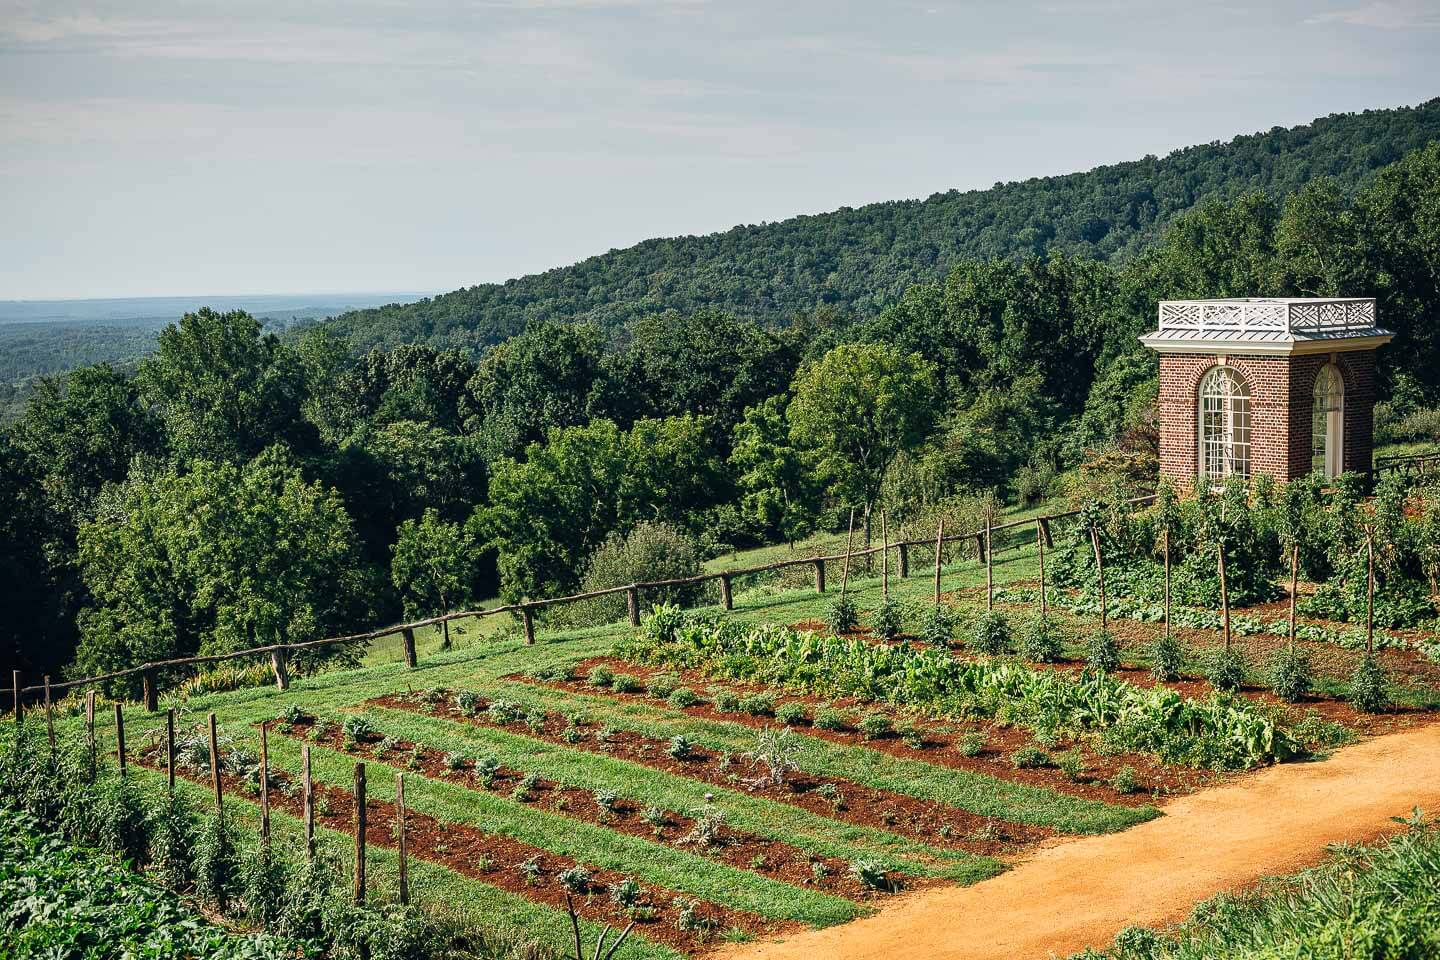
x: 857, y: 260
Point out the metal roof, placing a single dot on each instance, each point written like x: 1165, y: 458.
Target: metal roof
x: 1267, y: 324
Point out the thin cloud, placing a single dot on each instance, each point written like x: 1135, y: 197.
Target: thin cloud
x: 1383, y: 15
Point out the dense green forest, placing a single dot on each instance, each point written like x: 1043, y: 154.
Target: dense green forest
x: 241, y: 487
x: 858, y: 261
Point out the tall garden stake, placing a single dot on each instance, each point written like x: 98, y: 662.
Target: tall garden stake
x: 120, y: 738
x: 1369, y: 593
x: 49, y: 714
x: 1167, y: 581
x: 1224, y: 595
x: 1040, y: 545
x: 264, y: 786
x: 215, y: 767
x: 170, y: 750
x: 1294, y: 585
x: 307, y: 787
x: 90, y: 733
x: 359, y: 832
x: 885, y: 555
x: 1099, y: 572
x: 402, y: 852
x: 939, y: 541
x: 845, y: 570
x: 989, y: 565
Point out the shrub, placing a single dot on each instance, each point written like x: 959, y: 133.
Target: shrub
x: 1290, y: 674
x: 662, y: 685
x: 1124, y: 780
x: 575, y: 880
x: 262, y: 882
x: 875, y: 725
x: 842, y: 617
x: 1369, y: 688
x: 791, y: 714
x: 937, y: 626
x: 650, y: 551
x: 828, y: 718
x: 625, y: 894
x: 124, y: 826
x: 971, y: 744
x: 724, y: 701
x: 1102, y: 652
x: 600, y: 676
x: 1072, y: 764
x: 1029, y: 758
x: 886, y: 621
x: 467, y: 702
x: 758, y: 705
x: 486, y: 770
x: 680, y: 746
x: 1041, y: 641
x: 912, y: 735
x: 1225, y: 669
x: 504, y: 712
x: 358, y: 728
x: 172, y: 840
x: 625, y: 683
x: 1167, y: 658
x: 871, y: 874
x: 682, y: 697
x: 992, y: 634
x: 454, y: 761
x: 214, y: 865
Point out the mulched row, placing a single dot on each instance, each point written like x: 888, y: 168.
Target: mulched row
x: 934, y: 823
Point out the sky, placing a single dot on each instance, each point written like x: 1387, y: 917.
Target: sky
x: 154, y: 147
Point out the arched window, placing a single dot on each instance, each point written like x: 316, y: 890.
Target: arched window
x: 1224, y: 425
x: 1327, y: 426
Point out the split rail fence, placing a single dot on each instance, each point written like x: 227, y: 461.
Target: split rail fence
x: 279, y: 653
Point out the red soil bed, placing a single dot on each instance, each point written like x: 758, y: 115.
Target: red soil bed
x: 940, y: 740
x: 745, y: 851
x: 496, y: 860
x: 845, y: 800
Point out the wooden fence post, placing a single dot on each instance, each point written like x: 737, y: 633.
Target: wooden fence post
x: 904, y: 557
x: 727, y: 597
x: 149, y: 693
x: 264, y: 786
x: 939, y: 545
x: 527, y: 619
x: 1167, y: 583
x: 980, y: 547
x: 407, y: 642
x: 1294, y: 587
x: 1224, y: 596
x: 632, y: 602
x: 170, y: 749
x: 90, y: 735
x: 845, y: 570
x: 1045, y: 532
x: 401, y: 849
x: 819, y: 576
x: 49, y: 714
x: 989, y: 566
x: 280, y: 668
x: 1040, y: 545
x: 1100, y: 572
x: 215, y: 766
x: 359, y: 832
x: 884, y: 555
x: 307, y: 788
x: 120, y: 737
x: 15, y: 690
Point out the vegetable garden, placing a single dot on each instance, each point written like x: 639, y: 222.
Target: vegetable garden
x: 751, y: 769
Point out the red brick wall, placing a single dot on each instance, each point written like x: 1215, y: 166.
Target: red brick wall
x: 1281, y: 402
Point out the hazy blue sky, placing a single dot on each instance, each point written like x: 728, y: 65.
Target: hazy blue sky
x: 178, y: 146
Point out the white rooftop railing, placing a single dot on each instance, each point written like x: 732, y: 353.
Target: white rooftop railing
x: 1307, y: 317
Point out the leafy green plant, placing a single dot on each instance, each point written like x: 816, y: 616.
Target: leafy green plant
x: 1290, y: 674
x: 1102, y: 653
x: 875, y: 725
x: 486, y: 770
x: 937, y: 625
x: 1029, y: 758
x: 662, y: 685
x: 682, y: 697
x: 911, y: 734
x: 215, y: 866
x: 625, y: 894
x: 358, y: 728
x: 828, y: 718
x: 708, y: 824
x: 792, y: 714
x: 504, y: 712
x: 758, y: 704
x: 1369, y: 688
x: 724, y: 701
x: 887, y: 620
x: 600, y: 676
x: 871, y: 874
x: 1124, y: 780
x: 1225, y: 669
x: 992, y: 635
x: 1041, y: 641
x: 575, y: 880
x: 843, y: 616
x: 468, y: 702
x: 625, y: 683
x: 971, y: 744
x: 1072, y: 764
x: 1167, y: 658
x: 776, y: 754
x: 680, y: 747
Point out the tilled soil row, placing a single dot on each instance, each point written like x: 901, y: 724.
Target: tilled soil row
x: 939, y: 743
x: 744, y: 851
x: 501, y: 862
x: 845, y: 800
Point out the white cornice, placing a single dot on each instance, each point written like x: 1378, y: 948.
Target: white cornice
x: 1282, y: 348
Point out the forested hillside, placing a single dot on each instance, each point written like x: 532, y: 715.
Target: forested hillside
x: 857, y: 261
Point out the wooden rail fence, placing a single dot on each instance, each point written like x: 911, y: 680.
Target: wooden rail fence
x: 279, y: 652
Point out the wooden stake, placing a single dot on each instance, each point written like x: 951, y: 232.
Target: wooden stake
x: 445, y: 634
x: 90, y: 732
x: 1045, y: 532
x: 903, y: 548
x: 280, y: 669
x: 120, y: 737
x: 819, y: 576
x: 727, y: 597
x: 632, y: 603
x: 1100, y: 572
x: 989, y: 566
x: 170, y: 749
x: 1294, y: 586
x: 885, y: 555
x: 149, y: 694
x: 1369, y: 593
x: 939, y: 543
x: 1167, y: 583
x: 49, y: 714
x: 407, y: 643
x: 1040, y: 546
x: 359, y: 832
x: 307, y: 788
x: 845, y: 570
x: 527, y: 620
x: 264, y: 785
x: 401, y: 849
x: 1224, y: 596
x: 215, y: 766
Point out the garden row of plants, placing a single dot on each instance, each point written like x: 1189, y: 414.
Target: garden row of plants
x: 303, y: 908
x: 1221, y: 731
x: 1368, y: 902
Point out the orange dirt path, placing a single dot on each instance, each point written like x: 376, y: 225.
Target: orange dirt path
x: 1080, y: 893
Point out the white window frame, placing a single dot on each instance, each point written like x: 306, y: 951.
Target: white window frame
x: 1327, y: 422
x: 1222, y: 425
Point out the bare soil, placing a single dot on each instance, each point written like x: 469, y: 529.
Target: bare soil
x: 845, y: 800
x: 1080, y: 893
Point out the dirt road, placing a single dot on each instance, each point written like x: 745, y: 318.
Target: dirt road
x: 1082, y: 892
